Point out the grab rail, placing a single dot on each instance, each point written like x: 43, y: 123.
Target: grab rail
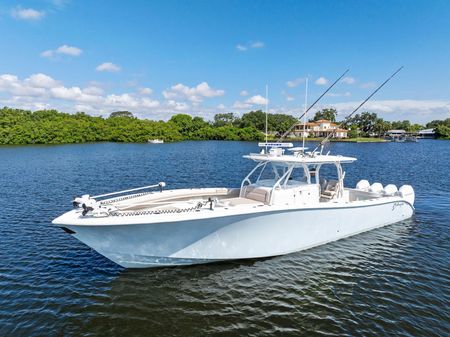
x: 160, y: 185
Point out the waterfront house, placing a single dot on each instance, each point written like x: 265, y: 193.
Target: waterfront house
x: 320, y: 128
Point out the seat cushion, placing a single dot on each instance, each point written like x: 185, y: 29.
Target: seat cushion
x: 257, y: 193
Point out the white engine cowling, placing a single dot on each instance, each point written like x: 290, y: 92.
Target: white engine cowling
x: 407, y: 193
x: 376, y: 188
x: 390, y: 189
x: 363, y: 185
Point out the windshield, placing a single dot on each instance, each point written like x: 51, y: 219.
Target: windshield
x: 268, y: 173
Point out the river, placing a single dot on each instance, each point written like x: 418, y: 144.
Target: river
x: 390, y: 281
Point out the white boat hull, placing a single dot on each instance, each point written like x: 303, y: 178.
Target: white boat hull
x: 244, y: 236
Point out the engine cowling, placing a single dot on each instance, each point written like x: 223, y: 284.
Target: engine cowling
x: 407, y: 193
x: 363, y: 185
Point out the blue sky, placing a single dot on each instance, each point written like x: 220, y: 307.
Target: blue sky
x: 203, y: 57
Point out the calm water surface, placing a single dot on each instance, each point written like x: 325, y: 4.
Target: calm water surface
x: 391, y: 281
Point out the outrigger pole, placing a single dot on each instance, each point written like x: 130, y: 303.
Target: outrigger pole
x: 322, y: 143
x: 311, y: 106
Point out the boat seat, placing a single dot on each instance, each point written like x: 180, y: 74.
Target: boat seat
x: 239, y: 201
x: 257, y: 193
x: 330, y: 189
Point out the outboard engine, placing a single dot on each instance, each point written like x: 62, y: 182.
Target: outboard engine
x: 363, y: 185
x: 390, y: 190
x: 407, y: 193
x: 376, y: 188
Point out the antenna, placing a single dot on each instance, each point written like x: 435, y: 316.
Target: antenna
x: 267, y: 110
x: 359, y: 106
x: 304, y: 114
x: 310, y: 107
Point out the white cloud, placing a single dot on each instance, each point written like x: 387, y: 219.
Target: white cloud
x: 257, y: 44
x: 348, y: 80
x: 69, y: 50
x: 418, y: 111
x: 290, y: 98
x: 368, y: 85
x: 145, y: 91
x: 243, y: 93
x: 149, y: 103
x: 178, y: 106
x: 241, y: 105
x: 11, y: 84
x: 64, y: 50
x: 41, y: 81
x: 93, y: 90
x: 75, y: 94
x: 47, y: 53
x: 295, y: 82
x: 29, y: 14
x: 337, y: 94
x: 250, y: 45
x: 121, y: 101
x: 60, y: 3
x: 194, y: 94
x: 250, y: 102
x: 109, y: 67
x: 321, y: 81
x: 257, y: 100
x: 42, y: 91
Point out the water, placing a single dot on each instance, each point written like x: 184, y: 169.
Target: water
x: 390, y: 281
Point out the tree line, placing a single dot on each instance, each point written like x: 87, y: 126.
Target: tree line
x: 53, y: 127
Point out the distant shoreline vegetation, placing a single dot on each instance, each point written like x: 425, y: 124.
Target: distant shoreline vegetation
x: 20, y: 127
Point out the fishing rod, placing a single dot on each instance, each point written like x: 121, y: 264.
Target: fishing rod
x: 359, y: 106
x: 311, y: 106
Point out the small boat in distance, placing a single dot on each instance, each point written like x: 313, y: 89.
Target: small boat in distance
x: 411, y: 139
x: 156, y: 141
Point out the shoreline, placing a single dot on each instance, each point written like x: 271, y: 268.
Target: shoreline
x: 348, y: 140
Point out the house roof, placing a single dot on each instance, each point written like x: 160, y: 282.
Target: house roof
x: 427, y: 131
x: 396, y: 131
x: 318, y: 122
x: 325, y: 121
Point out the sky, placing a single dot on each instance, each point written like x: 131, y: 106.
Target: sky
x: 159, y: 58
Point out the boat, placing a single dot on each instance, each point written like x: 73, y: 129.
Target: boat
x: 411, y: 139
x: 287, y: 203
x: 156, y: 141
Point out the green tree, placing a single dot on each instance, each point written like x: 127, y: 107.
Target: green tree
x: 277, y: 123
x: 353, y: 133
x: 328, y: 114
x: 223, y: 119
x: 435, y: 123
x: 401, y: 125
x: 366, y: 122
x: 442, y: 131
x: 121, y: 114
x: 256, y: 119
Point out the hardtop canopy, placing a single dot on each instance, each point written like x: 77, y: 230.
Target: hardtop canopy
x: 301, y: 159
